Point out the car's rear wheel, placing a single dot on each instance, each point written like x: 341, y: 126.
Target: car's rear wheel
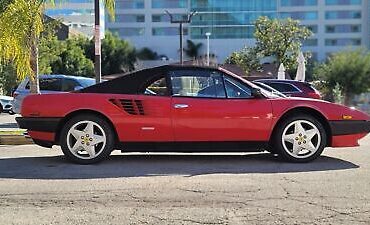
x: 87, y: 139
x: 1, y: 108
x: 300, y: 138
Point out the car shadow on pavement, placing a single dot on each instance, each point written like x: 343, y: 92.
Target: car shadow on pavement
x: 56, y: 167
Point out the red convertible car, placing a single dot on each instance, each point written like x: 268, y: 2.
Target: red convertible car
x: 187, y: 109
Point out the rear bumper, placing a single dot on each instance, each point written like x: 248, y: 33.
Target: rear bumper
x: 49, y: 124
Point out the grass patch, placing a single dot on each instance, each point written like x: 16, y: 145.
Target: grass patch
x: 13, y: 132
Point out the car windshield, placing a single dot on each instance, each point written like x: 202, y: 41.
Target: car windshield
x: 269, y: 91
x: 86, y: 82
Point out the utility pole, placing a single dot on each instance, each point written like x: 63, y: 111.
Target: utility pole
x: 181, y: 31
x: 97, y: 63
x: 207, y: 35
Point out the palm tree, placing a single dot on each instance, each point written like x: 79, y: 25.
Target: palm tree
x: 21, y: 23
x: 192, y: 49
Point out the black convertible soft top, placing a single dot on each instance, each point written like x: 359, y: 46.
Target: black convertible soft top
x: 132, y: 83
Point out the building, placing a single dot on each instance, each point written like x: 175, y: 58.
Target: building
x: 336, y: 24
x: 76, y: 14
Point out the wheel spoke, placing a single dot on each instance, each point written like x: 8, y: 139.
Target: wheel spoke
x: 289, y: 138
x: 90, y: 150
x: 89, y: 129
x: 298, y: 128
x: 310, y: 147
x: 311, y: 133
x: 296, y: 148
x: 77, y: 134
x: 77, y: 146
x: 97, y: 139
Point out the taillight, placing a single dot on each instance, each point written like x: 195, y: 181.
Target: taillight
x: 315, y: 95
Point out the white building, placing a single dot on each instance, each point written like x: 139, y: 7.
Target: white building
x: 336, y: 24
x: 77, y: 14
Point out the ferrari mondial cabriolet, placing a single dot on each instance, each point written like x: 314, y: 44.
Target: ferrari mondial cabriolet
x: 187, y: 109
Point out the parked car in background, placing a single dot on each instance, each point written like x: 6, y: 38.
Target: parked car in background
x: 269, y: 89
x: 6, y: 104
x: 293, y: 88
x: 50, y: 84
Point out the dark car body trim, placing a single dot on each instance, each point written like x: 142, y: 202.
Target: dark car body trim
x: 344, y: 127
x: 44, y: 124
x: 193, y: 146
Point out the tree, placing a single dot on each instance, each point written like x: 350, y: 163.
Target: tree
x: 248, y: 59
x: 118, y: 56
x: 21, y: 23
x: 147, y: 54
x: 8, y: 80
x: 192, y: 49
x: 280, y: 38
x: 350, y: 70
x: 72, y: 60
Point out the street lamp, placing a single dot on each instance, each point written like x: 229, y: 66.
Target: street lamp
x: 208, y: 34
x: 180, y: 22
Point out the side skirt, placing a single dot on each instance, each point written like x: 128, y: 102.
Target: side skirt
x: 232, y: 146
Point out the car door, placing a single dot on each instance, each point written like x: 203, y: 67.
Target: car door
x: 149, y: 113
x: 211, y: 106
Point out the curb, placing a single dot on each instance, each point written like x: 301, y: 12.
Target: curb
x: 15, y: 140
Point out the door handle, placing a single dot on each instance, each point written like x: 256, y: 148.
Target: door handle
x: 181, y: 106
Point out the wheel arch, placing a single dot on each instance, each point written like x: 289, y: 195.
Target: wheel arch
x: 307, y: 111
x: 79, y: 112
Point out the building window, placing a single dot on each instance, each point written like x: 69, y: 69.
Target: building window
x: 343, y: 28
x: 232, y: 5
x: 167, y: 31
x: 223, y: 32
x: 163, y: 4
x: 343, y: 2
x: 309, y: 15
x: 312, y: 28
x: 130, y: 4
x: 343, y: 42
x: 130, y: 18
x: 310, y: 42
x: 229, y: 18
x: 298, y: 2
x: 128, y: 31
x: 344, y: 14
x: 166, y: 18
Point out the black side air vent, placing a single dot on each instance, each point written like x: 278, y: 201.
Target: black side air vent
x: 133, y: 107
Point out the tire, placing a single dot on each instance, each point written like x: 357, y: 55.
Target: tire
x: 1, y: 108
x: 85, y: 145
x: 302, y: 143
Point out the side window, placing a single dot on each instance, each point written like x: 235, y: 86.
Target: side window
x: 157, y: 87
x: 283, y: 87
x: 197, y: 84
x: 69, y: 85
x: 51, y: 84
x: 237, y: 89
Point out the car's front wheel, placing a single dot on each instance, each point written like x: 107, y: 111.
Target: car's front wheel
x: 87, y: 139
x: 300, y: 138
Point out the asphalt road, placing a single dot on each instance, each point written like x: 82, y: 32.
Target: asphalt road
x: 37, y: 186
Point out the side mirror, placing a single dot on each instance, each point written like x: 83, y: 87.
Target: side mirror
x: 256, y: 92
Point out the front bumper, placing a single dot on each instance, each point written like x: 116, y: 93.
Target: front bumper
x: 347, y: 127
x: 44, y: 124
x: 347, y: 133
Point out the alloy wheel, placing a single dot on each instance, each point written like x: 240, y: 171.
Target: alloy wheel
x: 86, y: 139
x: 301, y: 139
